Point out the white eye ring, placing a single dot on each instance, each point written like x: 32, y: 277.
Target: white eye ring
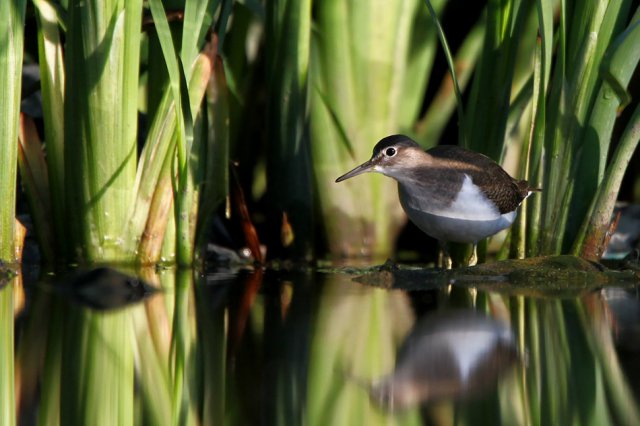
x: 390, y: 152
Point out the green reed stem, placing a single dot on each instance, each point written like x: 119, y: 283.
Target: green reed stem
x: 102, y: 60
x: 11, y: 44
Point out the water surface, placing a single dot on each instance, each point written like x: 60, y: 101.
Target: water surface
x: 252, y: 347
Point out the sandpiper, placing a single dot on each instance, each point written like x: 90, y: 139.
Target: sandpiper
x: 450, y: 193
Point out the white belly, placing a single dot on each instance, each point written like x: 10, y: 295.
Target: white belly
x: 469, y: 218
x: 458, y: 230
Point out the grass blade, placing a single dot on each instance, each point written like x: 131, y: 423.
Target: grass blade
x: 592, y: 241
x: 452, y: 71
x: 52, y: 87
x: 432, y: 124
x: 289, y: 171
x: 618, y: 67
x: 101, y: 124
x: 11, y: 44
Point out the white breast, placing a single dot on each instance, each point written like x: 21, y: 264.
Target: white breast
x: 472, y: 204
x: 469, y: 204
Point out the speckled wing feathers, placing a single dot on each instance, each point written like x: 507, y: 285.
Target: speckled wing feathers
x: 504, y: 191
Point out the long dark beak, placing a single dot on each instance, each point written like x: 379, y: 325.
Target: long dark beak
x: 362, y: 168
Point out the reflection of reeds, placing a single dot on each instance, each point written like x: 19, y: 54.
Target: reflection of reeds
x: 616, y: 391
x: 308, y: 348
x: 151, y: 350
x: 211, y: 344
x: 356, y: 332
x: 96, y: 383
x: 7, y: 377
x: 571, y: 372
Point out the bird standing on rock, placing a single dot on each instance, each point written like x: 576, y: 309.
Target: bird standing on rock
x: 450, y: 193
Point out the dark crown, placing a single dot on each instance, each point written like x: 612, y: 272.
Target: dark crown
x: 394, y: 140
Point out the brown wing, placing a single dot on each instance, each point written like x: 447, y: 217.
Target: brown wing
x: 505, y: 192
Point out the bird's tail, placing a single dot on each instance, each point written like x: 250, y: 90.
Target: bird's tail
x: 523, y: 185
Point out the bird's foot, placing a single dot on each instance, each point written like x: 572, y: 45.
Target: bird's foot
x: 473, y: 259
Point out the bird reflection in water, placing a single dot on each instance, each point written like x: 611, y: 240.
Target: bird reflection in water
x: 449, y: 355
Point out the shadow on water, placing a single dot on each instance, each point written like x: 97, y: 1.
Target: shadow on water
x: 311, y: 347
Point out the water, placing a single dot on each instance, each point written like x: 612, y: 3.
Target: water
x: 254, y: 347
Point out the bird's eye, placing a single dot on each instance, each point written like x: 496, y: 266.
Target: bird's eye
x: 390, y: 152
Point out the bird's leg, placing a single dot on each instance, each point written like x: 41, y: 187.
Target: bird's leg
x: 473, y: 260
x: 444, y: 258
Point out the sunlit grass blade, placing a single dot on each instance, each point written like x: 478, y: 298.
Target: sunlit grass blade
x: 198, y: 16
x: 183, y: 187
x: 579, y: 96
x: 190, y: 165
x: 11, y: 45
x: 535, y: 144
x: 158, y: 147
x: 519, y: 230
x: 584, y: 37
x: 103, y: 43
x: 153, y: 172
x: 160, y: 212
x: 52, y: 87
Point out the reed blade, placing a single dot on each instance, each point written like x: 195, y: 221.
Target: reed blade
x: 289, y: 171
x: 11, y: 47
x: 102, y: 59
x: 619, y: 64
x: 52, y: 88
x: 358, y: 79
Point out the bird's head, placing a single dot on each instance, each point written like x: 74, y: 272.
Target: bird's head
x: 391, y: 156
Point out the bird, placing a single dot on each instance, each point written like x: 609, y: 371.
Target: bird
x: 450, y: 193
